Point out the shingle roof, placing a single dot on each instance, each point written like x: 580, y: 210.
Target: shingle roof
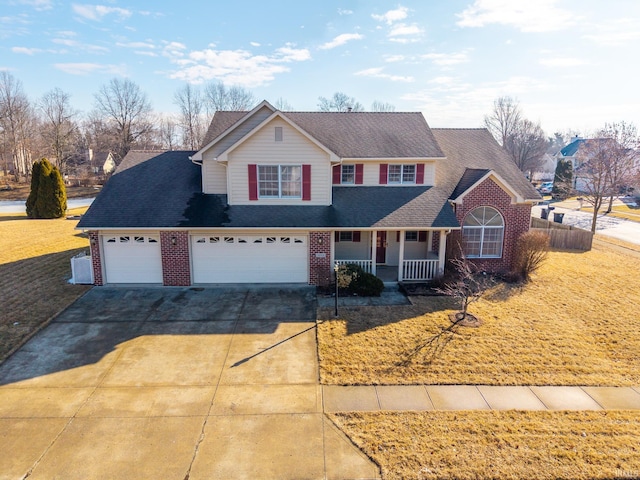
x: 468, y: 179
x: 571, y: 149
x: 164, y: 191
x: 354, y: 134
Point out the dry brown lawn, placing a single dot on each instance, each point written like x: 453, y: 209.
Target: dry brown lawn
x: 577, y: 323
x: 34, y: 269
x: 504, y: 445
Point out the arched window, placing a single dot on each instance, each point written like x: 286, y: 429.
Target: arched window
x: 482, y: 233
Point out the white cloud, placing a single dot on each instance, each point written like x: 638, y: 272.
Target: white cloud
x: 86, y: 47
x: 446, y: 59
x: 392, y: 16
x: 87, y: 68
x: 254, y: 44
x: 562, y: 62
x: 342, y: 11
x: 377, y: 72
x: 97, y: 12
x: 26, y: 50
x: 394, y: 58
x: 614, y: 33
x: 235, y: 67
x: 145, y: 53
x: 538, y: 16
x: 136, y: 45
x: 340, y: 40
x: 38, y: 4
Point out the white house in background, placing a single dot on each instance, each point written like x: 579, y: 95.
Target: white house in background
x: 277, y: 196
x: 547, y: 170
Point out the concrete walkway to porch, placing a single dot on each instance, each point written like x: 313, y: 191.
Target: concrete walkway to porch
x: 369, y: 398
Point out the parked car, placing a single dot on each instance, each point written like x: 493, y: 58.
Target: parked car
x: 545, y: 188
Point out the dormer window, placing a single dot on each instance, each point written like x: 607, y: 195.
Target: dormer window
x: 399, y: 174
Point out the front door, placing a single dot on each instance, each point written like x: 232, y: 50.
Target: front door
x: 381, y: 247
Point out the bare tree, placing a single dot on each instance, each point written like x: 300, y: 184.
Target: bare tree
x: 527, y: 145
x: 16, y: 125
x: 128, y: 111
x: 218, y: 97
x: 282, y: 105
x: 168, y: 133
x: 340, y: 102
x: 623, y: 156
x: 522, y: 139
x: 189, y: 100
x: 378, y: 106
x: 59, y: 128
x: 504, y: 117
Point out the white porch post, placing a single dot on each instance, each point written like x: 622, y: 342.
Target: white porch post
x: 374, y: 240
x: 441, y: 251
x: 401, y: 257
x: 429, y: 241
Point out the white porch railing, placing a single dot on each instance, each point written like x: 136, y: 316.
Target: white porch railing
x: 364, y: 264
x: 419, y: 269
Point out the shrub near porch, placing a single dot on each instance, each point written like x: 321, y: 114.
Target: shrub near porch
x: 576, y: 323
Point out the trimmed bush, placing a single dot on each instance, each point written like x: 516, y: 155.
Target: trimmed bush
x: 531, y: 251
x: 367, y: 285
x: 48, y: 196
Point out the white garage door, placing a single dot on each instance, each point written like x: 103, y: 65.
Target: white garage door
x: 132, y: 258
x: 249, y: 258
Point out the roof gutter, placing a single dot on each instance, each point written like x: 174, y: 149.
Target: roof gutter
x: 195, y: 161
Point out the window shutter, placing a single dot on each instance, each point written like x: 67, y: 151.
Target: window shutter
x: 336, y: 236
x: 337, y: 172
x: 356, y: 236
x: 398, y: 237
x: 420, y: 174
x: 253, y: 182
x: 422, y: 236
x: 359, y: 168
x: 383, y: 173
x: 306, y: 182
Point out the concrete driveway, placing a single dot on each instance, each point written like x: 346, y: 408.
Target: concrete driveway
x: 173, y: 383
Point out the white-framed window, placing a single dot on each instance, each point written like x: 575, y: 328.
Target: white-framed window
x: 411, y: 236
x: 280, y: 181
x: 401, y: 174
x: 346, y: 236
x: 482, y: 233
x: 348, y: 174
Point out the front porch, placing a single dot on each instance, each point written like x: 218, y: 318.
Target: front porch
x: 393, y: 255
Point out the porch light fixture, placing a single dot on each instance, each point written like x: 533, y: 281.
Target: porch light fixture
x: 319, y: 240
x: 174, y: 240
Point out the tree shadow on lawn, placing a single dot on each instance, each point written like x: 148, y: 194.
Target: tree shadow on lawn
x: 360, y: 319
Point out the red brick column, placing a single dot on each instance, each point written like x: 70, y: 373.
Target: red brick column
x: 176, y: 265
x: 96, y: 257
x: 320, y: 258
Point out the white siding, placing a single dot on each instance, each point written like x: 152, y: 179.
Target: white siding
x: 371, y: 170
x: 294, y: 149
x: 214, y: 176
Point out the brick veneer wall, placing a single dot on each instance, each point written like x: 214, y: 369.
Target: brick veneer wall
x: 517, y: 218
x: 320, y: 267
x: 96, y: 257
x: 176, y: 265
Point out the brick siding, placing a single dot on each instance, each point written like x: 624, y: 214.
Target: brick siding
x: 176, y: 265
x: 96, y: 257
x: 320, y: 267
x: 517, y: 218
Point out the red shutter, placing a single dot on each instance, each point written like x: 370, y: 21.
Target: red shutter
x: 336, y: 236
x: 420, y: 173
x: 397, y: 236
x: 422, y: 236
x: 356, y: 236
x: 383, y: 173
x: 253, y: 182
x: 337, y: 171
x: 306, y: 182
x: 359, y: 173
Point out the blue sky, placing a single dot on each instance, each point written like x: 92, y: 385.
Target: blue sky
x: 572, y: 64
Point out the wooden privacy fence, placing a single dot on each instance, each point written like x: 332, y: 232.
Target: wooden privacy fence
x: 563, y: 236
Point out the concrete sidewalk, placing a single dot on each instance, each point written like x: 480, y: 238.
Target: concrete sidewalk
x: 370, y: 398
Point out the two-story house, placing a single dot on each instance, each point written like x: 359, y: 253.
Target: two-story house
x: 278, y: 197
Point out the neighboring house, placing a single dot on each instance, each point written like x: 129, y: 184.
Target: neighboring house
x: 102, y: 162
x: 547, y: 170
x: 280, y: 196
